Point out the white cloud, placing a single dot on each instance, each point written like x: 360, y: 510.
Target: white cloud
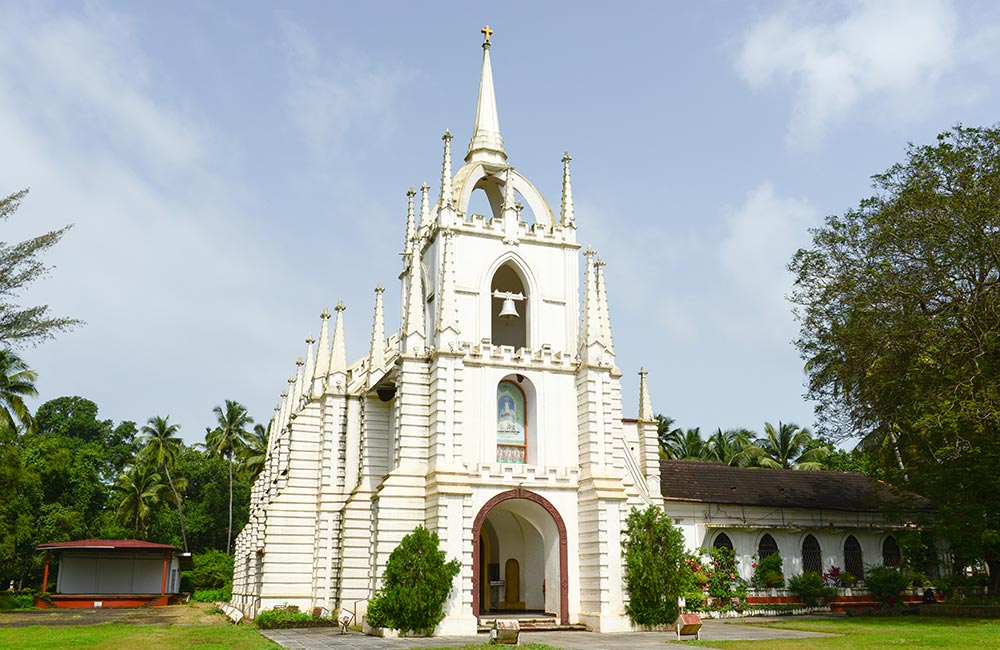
x: 329, y: 97
x: 891, y: 52
x: 761, y: 236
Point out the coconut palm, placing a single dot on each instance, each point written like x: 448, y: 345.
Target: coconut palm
x: 17, y: 381
x: 226, y: 441
x: 162, y: 447
x: 732, y: 447
x: 789, y: 446
x: 140, y: 488
x: 254, y: 453
x: 684, y: 445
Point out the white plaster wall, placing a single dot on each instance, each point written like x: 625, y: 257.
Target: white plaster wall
x: 701, y: 523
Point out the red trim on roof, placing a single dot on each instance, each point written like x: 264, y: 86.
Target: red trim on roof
x: 108, y: 544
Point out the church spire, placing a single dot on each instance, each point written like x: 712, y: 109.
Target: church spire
x: 645, y: 404
x: 338, y: 356
x: 567, y: 217
x: 486, y: 144
x: 376, y: 356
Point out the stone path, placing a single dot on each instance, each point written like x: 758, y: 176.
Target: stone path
x: 331, y: 639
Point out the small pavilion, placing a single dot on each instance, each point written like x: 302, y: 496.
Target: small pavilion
x: 96, y: 573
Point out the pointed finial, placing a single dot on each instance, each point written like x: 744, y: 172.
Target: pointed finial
x: 645, y: 404
x: 567, y: 217
x: 338, y: 355
x: 446, y: 188
x: 376, y: 354
x: 410, y: 226
x: 322, y: 367
x: 425, y: 208
x: 299, y: 362
x: 310, y: 340
x: 486, y: 32
x: 508, y: 189
x: 643, y: 372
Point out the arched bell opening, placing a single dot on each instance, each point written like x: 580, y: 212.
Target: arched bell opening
x: 520, y: 561
x: 508, y: 308
x: 486, y: 199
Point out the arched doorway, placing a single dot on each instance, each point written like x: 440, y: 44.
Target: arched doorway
x: 522, y: 526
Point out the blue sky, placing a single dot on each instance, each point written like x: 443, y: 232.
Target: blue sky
x: 232, y: 168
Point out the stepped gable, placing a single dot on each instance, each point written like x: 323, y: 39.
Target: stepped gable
x: 704, y: 482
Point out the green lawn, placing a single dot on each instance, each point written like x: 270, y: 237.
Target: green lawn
x: 911, y: 633
x: 133, y: 637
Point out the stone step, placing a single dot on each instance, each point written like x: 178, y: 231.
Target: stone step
x: 539, y: 624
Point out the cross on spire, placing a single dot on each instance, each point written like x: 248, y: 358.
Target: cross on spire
x: 486, y: 32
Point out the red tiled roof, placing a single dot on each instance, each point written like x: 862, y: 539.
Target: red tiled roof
x: 132, y: 544
x: 703, y: 482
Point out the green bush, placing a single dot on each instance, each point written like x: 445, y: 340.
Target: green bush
x: 274, y: 619
x: 416, y: 584
x: 886, y: 584
x: 767, y: 573
x: 223, y: 594
x: 213, y: 569
x: 656, y: 572
x: 694, y: 600
x: 810, y: 588
x: 16, y: 600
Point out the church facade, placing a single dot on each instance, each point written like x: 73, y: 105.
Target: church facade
x: 493, y: 417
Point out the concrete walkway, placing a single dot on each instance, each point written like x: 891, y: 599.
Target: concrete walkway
x: 331, y: 639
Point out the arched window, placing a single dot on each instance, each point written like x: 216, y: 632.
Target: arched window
x: 766, y: 546
x: 512, y: 329
x: 722, y: 541
x: 891, y: 555
x: 512, y: 424
x: 812, y: 555
x: 854, y: 562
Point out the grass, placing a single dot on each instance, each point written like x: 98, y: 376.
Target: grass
x: 130, y: 637
x: 912, y: 633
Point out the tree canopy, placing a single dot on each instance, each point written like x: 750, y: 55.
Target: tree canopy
x: 20, y: 265
x: 899, y: 305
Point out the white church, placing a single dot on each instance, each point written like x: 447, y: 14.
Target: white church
x: 493, y: 417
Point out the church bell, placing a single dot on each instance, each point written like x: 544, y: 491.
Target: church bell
x: 508, y: 311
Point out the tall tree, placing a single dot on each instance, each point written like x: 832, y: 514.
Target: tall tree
x: 732, y: 447
x: 254, y: 452
x: 789, y: 446
x: 679, y: 444
x: 139, y: 490
x: 899, y: 304
x: 17, y: 381
x: 20, y: 265
x: 162, y: 446
x: 226, y: 440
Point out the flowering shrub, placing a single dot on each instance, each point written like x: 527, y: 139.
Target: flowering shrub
x: 810, y: 588
x: 767, y: 573
x: 835, y: 577
x: 723, y: 574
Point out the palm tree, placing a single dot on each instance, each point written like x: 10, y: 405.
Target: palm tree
x: 732, y: 447
x: 790, y: 447
x: 254, y: 453
x: 664, y: 426
x: 17, y: 381
x: 140, y: 488
x: 685, y: 445
x: 162, y: 446
x: 226, y: 441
